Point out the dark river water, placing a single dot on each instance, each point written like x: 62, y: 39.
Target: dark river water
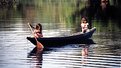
x: 17, y: 52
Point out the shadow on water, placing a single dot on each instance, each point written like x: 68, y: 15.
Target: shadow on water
x: 36, y: 55
x: 79, y: 55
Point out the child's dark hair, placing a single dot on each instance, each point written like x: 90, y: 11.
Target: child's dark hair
x: 40, y: 26
x: 85, y: 18
x: 37, y: 27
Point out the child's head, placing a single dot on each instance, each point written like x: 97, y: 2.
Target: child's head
x: 37, y: 27
x: 84, y: 20
x: 40, y: 26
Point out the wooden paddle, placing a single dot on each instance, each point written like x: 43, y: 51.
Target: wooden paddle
x: 39, y: 45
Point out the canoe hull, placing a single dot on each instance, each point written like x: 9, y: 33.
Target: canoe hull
x: 75, y: 39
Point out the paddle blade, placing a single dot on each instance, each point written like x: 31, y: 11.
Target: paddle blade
x: 39, y: 45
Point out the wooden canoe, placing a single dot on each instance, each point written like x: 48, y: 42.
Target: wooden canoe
x: 80, y: 38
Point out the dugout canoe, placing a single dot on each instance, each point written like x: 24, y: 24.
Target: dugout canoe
x: 79, y: 38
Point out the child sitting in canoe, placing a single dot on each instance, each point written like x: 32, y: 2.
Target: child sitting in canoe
x: 84, y: 25
x: 37, y: 30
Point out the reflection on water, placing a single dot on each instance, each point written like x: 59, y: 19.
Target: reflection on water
x: 75, y: 56
x: 56, y: 17
x: 84, y: 52
x: 36, y: 55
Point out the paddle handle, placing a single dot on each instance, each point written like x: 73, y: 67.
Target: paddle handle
x: 30, y: 28
x: 32, y: 31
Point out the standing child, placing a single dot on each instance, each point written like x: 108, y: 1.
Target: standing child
x: 84, y: 25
